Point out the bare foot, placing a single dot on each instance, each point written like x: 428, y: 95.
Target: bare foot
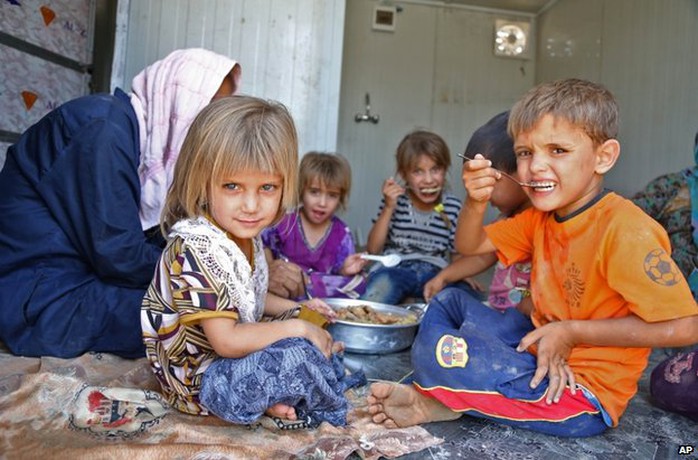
x: 282, y: 411
x: 397, y: 405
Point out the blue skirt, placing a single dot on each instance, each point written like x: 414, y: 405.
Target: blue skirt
x: 291, y: 371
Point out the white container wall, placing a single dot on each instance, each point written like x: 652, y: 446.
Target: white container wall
x: 289, y: 50
x: 436, y: 71
x: 644, y: 51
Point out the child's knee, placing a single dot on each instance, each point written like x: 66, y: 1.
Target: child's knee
x: 379, y: 285
x: 456, y: 297
x: 299, y: 345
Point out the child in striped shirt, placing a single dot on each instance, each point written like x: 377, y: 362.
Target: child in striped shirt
x: 416, y: 221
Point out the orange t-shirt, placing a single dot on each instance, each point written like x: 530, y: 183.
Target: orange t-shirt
x: 607, y: 260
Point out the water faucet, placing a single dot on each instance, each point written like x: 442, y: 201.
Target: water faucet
x: 366, y: 116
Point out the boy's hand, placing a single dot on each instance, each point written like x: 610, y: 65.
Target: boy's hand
x: 554, y: 347
x: 353, y: 264
x: 433, y: 287
x: 391, y: 190
x: 479, y: 178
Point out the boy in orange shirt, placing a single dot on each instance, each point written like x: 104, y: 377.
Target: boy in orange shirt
x: 603, y: 285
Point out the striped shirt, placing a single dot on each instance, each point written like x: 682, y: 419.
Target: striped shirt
x: 418, y: 235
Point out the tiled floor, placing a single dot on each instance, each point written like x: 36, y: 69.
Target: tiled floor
x: 645, y: 432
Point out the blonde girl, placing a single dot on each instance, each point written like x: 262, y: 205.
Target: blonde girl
x: 202, y: 314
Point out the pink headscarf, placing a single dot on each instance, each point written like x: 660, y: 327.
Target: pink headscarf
x: 167, y: 96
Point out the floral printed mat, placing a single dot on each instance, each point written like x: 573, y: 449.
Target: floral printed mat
x: 101, y: 406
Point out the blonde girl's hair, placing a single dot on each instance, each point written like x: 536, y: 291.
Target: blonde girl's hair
x: 421, y: 142
x: 584, y: 104
x: 331, y: 170
x: 232, y: 135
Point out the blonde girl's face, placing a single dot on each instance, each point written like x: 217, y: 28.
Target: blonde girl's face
x: 425, y: 181
x: 245, y: 203
x: 320, y: 202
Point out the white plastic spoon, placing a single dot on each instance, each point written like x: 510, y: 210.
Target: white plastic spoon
x: 389, y: 260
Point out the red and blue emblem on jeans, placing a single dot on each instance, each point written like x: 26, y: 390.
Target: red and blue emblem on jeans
x: 452, y: 351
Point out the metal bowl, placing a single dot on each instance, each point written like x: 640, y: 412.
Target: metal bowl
x: 374, y: 338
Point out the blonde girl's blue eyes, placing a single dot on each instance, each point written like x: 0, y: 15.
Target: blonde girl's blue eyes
x: 265, y: 187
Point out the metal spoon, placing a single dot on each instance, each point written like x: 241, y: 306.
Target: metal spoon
x: 508, y: 176
x: 388, y: 260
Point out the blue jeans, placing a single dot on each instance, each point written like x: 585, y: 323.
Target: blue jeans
x: 464, y: 355
x: 393, y: 285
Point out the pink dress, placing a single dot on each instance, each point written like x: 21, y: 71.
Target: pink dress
x: 509, y: 285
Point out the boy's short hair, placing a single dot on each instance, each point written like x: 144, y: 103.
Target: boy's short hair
x: 492, y: 141
x: 421, y: 142
x: 585, y: 104
x: 332, y: 170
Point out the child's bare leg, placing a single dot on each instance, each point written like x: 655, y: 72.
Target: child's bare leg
x: 397, y: 405
x: 282, y: 411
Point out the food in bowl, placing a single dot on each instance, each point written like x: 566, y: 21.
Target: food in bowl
x: 373, y: 338
x: 367, y: 315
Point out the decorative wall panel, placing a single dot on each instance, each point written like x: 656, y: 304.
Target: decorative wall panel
x: 61, y: 26
x: 31, y: 87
